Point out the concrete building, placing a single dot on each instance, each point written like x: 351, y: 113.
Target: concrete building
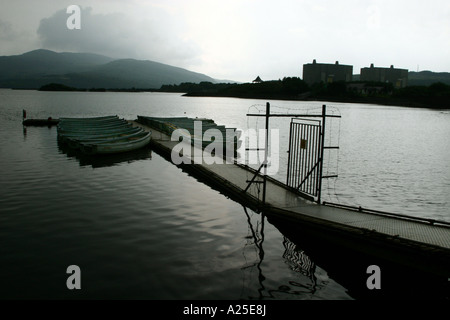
x: 398, y: 77
x: 327, y: 73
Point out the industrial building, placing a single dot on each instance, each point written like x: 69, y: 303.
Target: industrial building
x: 398, y: 77
x: 327, y: 73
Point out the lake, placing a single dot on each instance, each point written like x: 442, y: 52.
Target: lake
x: 141, y: 228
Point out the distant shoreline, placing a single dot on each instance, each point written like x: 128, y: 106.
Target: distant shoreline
x: 362, y: 100
x: 437, y: 97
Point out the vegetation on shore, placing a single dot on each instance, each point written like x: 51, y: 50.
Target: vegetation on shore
x: 436, y: 95
x: 56, y: 87
x: 61, y: 87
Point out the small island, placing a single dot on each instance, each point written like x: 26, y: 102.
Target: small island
x: 56, y: 87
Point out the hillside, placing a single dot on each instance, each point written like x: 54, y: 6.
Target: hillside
x: 26, y: 69
x: 36, y: 68
x: 129, y: 73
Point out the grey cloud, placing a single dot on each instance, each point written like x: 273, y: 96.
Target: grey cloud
x: 14, y: 39
x: 116, y: 35
x: 6, y: 31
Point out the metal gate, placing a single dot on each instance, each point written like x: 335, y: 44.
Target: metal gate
x: 305, y: 161
x: 304, y: 169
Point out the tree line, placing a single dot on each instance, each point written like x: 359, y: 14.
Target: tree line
x: 436, y: 95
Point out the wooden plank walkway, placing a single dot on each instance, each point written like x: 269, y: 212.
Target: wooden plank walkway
x: 286, y: 204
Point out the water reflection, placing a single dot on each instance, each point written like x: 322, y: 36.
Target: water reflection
x: 348, y: 267
x: 257, y: 235
x: 298, y: 261
x: 304, y: 252
x: 99, y: 161
x: 295, y: 259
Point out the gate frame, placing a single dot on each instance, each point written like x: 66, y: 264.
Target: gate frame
x: 291, y: 179
x: 268, y: 115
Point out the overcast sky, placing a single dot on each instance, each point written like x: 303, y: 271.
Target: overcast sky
x: 239, y: 39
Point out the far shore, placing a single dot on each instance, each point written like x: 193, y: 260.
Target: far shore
x: 416, y: 97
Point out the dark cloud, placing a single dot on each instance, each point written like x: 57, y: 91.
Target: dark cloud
x: 6, y: 31
x: 14, y: 40
x: 116, y: 35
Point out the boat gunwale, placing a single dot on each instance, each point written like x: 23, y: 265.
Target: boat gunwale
x: 110, y: 139
x: 147, y: 134
x: 97, y: 148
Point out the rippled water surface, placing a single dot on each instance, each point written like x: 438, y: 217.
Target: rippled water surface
x: 139, y: 227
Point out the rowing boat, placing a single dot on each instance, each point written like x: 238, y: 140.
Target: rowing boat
x: 230, y: 137
x: 119, y: 146
x: 67, y: 136
x: 93, y: 119
x: 75, y: 142
x: 63, y: 126
x: 93, y: 130
x: 101, y: 135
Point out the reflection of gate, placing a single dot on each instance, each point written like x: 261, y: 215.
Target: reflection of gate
x: 305, y: 156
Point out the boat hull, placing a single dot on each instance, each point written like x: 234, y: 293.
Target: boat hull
x: 120, y: 146
x: 102, y: 135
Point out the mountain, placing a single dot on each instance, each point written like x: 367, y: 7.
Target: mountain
x: 129, y: 73
x: 33, y: 65
x: 85, y: 70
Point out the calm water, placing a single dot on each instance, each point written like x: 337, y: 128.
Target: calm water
x: 139, y: 227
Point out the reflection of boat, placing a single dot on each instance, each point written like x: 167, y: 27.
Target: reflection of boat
x: 100, y: 161
x: 102, y: 135
x: 40, y: 122
x: 77, y: 141
x: 126, y: 144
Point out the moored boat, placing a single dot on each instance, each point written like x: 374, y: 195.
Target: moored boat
x: 102, y: 135
x: 118, y: 146
x: 66, y: 119
x: 75, y: 142
x: 230, y: 137
x: 67, y: 136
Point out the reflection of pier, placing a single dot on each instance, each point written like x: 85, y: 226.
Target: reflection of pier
x: 296, y: 260
x: 258, y: 240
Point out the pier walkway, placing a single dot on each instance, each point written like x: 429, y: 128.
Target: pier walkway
x: 426, y: 240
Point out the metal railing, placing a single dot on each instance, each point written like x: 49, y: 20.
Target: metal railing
x: 388, y: 214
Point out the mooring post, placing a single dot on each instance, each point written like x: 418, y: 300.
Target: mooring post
x: 322, y: 143
x: 266, y: 147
